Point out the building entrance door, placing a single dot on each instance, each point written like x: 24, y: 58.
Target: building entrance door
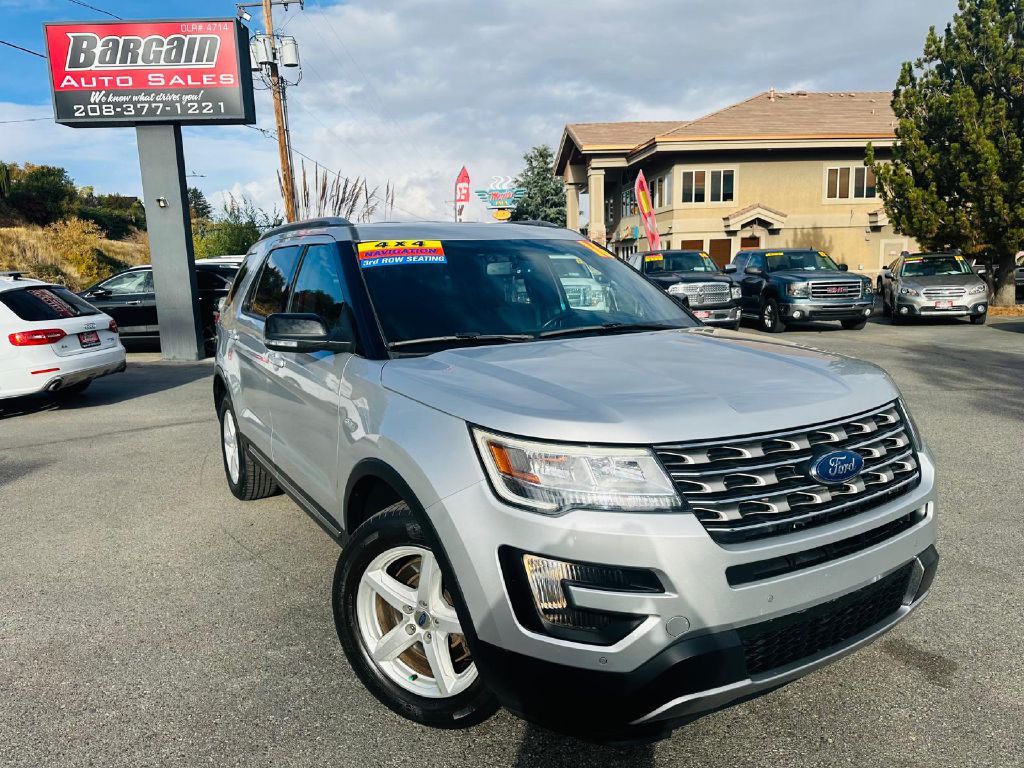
x: 720, y: 251
x: 691, y: 245
x: 749, y: 243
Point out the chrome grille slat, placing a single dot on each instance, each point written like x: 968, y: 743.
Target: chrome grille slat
x: 945, y: 292
x: 836, y: 289
x: 759, y: 485
x: 705, y: 293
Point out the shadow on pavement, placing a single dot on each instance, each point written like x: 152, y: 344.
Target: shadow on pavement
x: 1012, y: 327
x: 139, y: 380
x: 541, y: 747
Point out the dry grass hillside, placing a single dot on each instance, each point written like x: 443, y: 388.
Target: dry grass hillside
x: 71, y: 252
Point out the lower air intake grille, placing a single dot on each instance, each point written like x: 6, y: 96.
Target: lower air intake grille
x: 780, y: 642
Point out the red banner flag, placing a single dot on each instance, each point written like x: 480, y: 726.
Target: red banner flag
x: 462, y: 187
x: 643, y: 204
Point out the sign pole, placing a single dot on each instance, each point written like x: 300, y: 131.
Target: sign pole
x: 170, y: 240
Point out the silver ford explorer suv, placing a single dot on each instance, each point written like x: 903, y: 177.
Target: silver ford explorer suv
x: 607, y: 519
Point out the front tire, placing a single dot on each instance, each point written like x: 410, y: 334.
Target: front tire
x: 771, y: 320
x: 979, y: 319
x: 397, y: 622
x: 247, y: 479
x: 853, y: 325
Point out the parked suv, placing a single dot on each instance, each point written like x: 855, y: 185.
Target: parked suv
x: 798, y: 285
x: 712, y: 294
x: 130, y: 298
x: 587, y: 516
x: 932, y: 285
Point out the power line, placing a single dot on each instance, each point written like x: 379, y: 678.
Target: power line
x: 98, y: 10
x: 23, y: 50
x: 272, y: 135
x: 26, y: 120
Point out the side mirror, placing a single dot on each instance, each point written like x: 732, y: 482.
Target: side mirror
x: 301, y: 332
x: 729, y: 269
x: 886, y: 272
x: 753, y: 271
x: 844, y: 267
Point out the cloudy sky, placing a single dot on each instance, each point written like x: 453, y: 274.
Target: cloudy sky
x: 408, y: 91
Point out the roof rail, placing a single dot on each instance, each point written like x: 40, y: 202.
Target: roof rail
x: 538, y: 223
x: 326, y: 221
x: 13, y: 275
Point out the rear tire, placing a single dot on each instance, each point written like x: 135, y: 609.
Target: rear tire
x: 405, y: 643
x: 853, y: 325
x: 247, y: 479
x: 771, y: 320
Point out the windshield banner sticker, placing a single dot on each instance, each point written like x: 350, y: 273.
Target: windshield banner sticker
x: 596, y: 249
x: 387, y: 253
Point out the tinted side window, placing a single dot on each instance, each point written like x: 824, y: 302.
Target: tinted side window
x: 237, y: 282
x: 741, y: 261
x: 758, y: 260
x: 138, y: 281
x: 319, y: 288
x: 270, y: 294
x: 207, y: 280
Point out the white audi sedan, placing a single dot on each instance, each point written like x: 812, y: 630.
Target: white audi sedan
x: 51, y: 340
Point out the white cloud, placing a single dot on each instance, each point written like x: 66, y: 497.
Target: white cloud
x: 411, y: 90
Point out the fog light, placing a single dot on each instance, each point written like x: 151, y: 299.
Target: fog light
x: 543, y: 603
x: 797, y: 314
x: 981, y: 308
x: 904, y: 310
x: 867, y: 313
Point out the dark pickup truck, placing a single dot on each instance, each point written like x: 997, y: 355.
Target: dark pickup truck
x: 712, y: 295
x: 800, y: 285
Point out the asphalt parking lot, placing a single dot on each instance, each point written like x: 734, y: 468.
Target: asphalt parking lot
x: 149, y: 618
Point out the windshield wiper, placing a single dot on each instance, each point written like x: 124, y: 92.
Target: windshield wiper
x: 609, y: 328
x: 469, y: 336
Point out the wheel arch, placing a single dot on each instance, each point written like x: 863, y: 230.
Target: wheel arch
x: 220, y: 388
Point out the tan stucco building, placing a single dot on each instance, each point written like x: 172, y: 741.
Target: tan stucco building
x: 780, y: 169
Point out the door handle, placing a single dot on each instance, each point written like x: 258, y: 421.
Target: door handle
x: 133, y: 303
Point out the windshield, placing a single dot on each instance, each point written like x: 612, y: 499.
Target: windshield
x: 518, y: 289
x: 810, y: 261
x: 655, y: 263
x: 935, y: 265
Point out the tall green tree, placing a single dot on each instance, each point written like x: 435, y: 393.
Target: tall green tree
x: 232, y: 231
x: 545, y: 192
x: 957, y: 174
x: 199, y: 206
x: 42, y: 193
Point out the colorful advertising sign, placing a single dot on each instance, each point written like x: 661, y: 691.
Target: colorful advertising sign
x: 462, y: 187
x: 643, y: 204
x: 135, y: 72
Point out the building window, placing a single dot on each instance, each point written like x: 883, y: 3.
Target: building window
x: 722, y: 183
x: 696, y: 185
x: 844, y: 183
x: 661, y: 191
x: 628, y: 201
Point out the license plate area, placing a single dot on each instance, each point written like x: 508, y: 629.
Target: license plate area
x: 702, y: 314
x: 944, y: 304
x: 89, y: 339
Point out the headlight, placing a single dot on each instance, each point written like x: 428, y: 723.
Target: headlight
x: 798, y: 289
x: 676, y: 289
x: 551, y: 478
x: 737, y: 292
x: 915, y: 434
x: 909, y: 291
x: 868, y: 289
x: 978, y: 289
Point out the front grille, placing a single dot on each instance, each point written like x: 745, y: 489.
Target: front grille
x: 700, y: 294
x: 821, y: 289
x: 756, y: 486
x: 945, y: 292
x: 780, y: 642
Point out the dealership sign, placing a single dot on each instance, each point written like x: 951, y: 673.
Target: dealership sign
x: 138, y: 72
x: 502, y: 197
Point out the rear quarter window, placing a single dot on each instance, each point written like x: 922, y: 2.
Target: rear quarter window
x: 46, y: 303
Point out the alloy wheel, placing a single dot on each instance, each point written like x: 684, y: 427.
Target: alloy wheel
x: 409, y: 627
x: 230, y: 436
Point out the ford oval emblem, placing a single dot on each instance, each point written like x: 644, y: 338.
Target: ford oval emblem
x: 836, y: 467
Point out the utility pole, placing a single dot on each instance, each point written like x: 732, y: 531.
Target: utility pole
x: 277, y: 91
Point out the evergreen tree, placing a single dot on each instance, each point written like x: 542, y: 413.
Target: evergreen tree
x: 199, y: 206
x: 545, y: 192
x: 957, y: 175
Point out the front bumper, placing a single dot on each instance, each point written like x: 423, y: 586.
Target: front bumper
x: 717, y: 315
x: 656, y: 677
x: 800, y: 310
x: 918, y: 306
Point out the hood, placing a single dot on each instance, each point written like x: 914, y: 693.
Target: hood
x: 964, y: 280
x: 641, y: 388
x: 806, y: 276
x: 666, y: 279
